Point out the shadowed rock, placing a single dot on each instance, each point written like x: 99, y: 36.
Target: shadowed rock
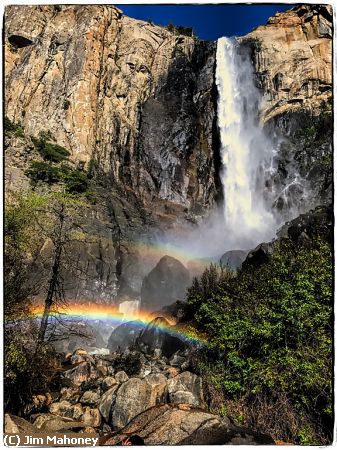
x: 233, y: 259
x: 165, y: 284
x: 157, y: 335
x: 125, y: 335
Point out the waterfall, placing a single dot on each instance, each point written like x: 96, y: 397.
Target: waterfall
x: 246, y: 154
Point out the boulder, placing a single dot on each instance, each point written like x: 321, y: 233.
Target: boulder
x: 165, y: 284
x: 121, y: 377
x: 66, y: 409
x: 49, y: 423
x: 70, y: 394
x: 181, y: 424
x: 233, y: 259
x: 159, y: 335
x: 91, y: 417
x: 260, y: 255
x: 136, y: 395
x: 125, y: 335
x: 90, y: 398
x: 186, y: 388
x: 15, y: 425
x: 108, y: 382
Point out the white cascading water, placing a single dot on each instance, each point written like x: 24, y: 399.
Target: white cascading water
x: 246, y: 154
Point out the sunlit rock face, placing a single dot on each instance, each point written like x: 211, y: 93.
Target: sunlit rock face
x: 292, y: 55
x: 133, y: 98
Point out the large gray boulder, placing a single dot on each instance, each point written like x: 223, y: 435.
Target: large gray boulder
x: 136, y: 395
x: 165, y: 284
x: 186, y: 388
x: 107, y: 401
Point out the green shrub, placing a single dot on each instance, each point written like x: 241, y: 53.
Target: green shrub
x: 42, y: 171
x: 11, y: 127
x: 76, y: 181
x: 50, y: 152
x: 270, y: 331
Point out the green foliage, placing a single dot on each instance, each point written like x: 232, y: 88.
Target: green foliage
x: 13, y: 128
x: 43, y: 171
x: 272, y: 329
x: 76, y: 181
x: 20, y: 241
x: 25, y: 372
x: 186, y: 31
x: 50, y: 152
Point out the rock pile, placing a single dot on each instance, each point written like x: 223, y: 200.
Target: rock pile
x: 154, y: 396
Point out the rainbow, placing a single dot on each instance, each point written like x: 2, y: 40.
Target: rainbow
x: 110, y: 314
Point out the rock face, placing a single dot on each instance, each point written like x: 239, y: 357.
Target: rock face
x: 165, y: 284
x: 292, y: 55
x: 133, y: 98
x: 135, y: 105
x: 302, y: 230
x: 293, y: 59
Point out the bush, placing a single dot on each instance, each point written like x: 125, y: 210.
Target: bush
x: 50, y: 152
x: 270, y: 334
x: 42, y: 171
x: 13, y: 128
x: 76, y: 181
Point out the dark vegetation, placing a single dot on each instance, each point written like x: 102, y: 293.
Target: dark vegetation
x: 269, y: 360
x: 13, y: 128
x: 177, y: 29
x: 55, y: 167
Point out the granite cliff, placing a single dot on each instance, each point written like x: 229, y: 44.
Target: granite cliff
x: 134, y: 104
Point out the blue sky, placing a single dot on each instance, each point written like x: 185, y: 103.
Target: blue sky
x: 208, y: 21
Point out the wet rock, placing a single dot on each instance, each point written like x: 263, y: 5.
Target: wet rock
x: 260, y: 255
x: 165, y: 284
x: 137, y: 395
x: 159, y: 335
x: 186, y: 388
x: 181, y: 424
